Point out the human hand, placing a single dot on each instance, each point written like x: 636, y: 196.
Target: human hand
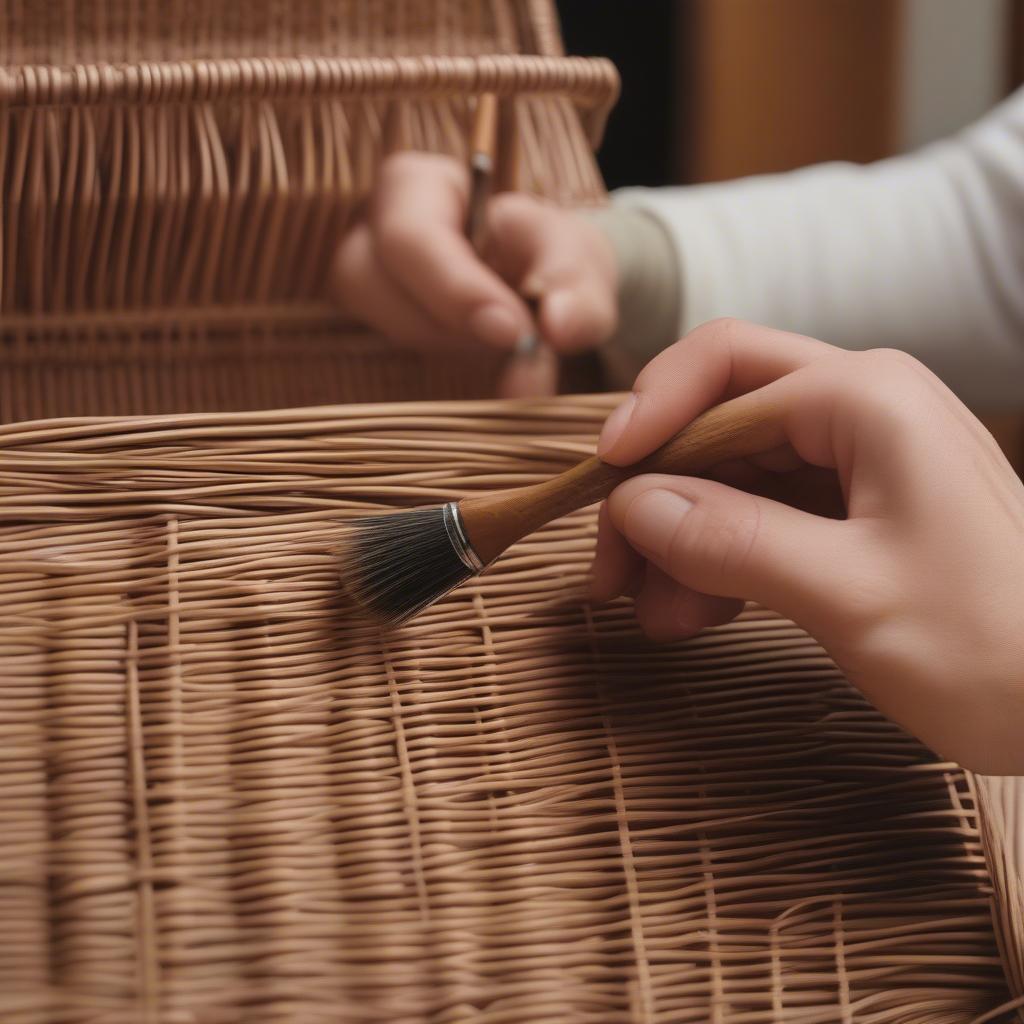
x: 890, y: 527
x: 406, y: 269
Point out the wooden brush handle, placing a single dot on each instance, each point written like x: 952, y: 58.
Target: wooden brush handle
x: 484, y: 141
x: 735, y: 429
x: 481, y: 165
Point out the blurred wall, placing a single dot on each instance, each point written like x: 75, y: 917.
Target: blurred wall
x: 954, y: 64
x: 776, y: 84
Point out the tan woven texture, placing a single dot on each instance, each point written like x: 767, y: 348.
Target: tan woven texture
x: 222, y: 798
x: 174, y: 178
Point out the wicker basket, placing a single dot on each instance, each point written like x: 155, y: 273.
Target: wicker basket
x: 175, y: 178
x: 224, y: 798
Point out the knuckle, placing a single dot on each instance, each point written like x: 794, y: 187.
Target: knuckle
x: 717, y: 333
x: 889, y: 387
x: 892, y: 356
x: 894, y: 374
x: 511, y: 208
x: 867, y: 608
x: 707, y: 344
x: 720, y: 546
x: 739, y: 538
x: 396, y: 167
x: 893, y: 363
x: 410, y: 165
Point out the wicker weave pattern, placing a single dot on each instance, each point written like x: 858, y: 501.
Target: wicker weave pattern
x: 167, y: 169
x: 250, y: 359
x: 224, y: 799
x: 199, y: 184
x: 128, y: 30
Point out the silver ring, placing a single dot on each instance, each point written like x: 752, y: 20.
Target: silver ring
x: 457, y: 535
x: 527, y: 345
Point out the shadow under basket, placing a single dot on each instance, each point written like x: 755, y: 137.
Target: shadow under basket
x: 224, y: 797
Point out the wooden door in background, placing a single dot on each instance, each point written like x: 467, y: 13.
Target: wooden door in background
x: 772, y: 86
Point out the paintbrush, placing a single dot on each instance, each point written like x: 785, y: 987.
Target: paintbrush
x: 396, y: 564
x: 482, y: 158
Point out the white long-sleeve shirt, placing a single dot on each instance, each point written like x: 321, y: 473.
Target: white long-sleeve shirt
x: 923, y: 252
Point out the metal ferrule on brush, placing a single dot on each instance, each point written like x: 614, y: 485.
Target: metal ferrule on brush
x: 457, y: 535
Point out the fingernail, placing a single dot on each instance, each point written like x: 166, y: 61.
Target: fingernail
x: 615, y: 425
x: 651, y: 518
x: 495, y: 325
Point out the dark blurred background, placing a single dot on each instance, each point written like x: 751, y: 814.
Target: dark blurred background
x: 643, y: 39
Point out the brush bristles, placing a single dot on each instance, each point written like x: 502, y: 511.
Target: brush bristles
x: 396, y: 564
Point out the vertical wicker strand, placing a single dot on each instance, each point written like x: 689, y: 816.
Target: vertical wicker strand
x: 715, y: 977
x: 842, y: 971
x: 172, y: 821
x: 408, y: 789
x: 5, y: 131
x: 646, y: 1003
x: 149, y: 971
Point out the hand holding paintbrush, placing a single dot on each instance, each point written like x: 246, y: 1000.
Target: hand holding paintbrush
x: 893, y: 534
x: 397, y: 564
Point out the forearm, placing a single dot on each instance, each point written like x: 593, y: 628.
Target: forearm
x: 923, y: 253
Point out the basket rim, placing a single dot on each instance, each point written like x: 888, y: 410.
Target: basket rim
x: 590, y: 81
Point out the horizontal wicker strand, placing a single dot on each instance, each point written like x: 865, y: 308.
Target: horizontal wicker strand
x: 591, y: 81
x: 231, y: 360
x: 224, y: 797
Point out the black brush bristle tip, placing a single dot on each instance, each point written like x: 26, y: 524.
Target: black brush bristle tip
x: 396, y: 564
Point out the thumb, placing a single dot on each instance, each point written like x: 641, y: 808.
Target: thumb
x: 721, y: 541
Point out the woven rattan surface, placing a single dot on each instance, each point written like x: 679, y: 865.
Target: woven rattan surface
x: 242, y: 361
x: 119, y: 31
x: 175, y: 178
x: 222, y: 798
x: 209, y: 183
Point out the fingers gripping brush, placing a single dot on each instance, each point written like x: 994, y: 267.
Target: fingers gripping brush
x: 396, y: 564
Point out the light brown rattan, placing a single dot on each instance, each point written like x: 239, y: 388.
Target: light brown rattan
x: 176, y: 174
x: 122, y: 31
x: 222, y: 798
